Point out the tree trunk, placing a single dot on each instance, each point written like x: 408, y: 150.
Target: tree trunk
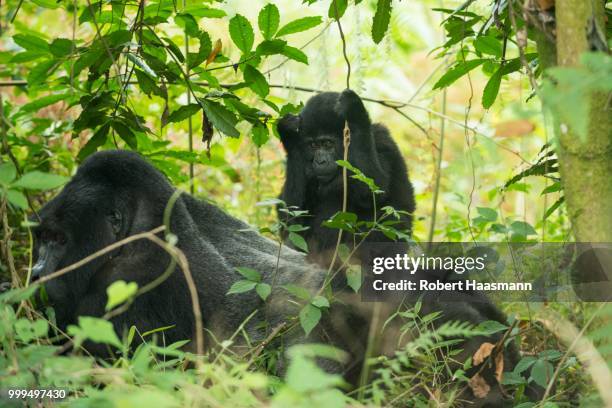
x: 585, y: 165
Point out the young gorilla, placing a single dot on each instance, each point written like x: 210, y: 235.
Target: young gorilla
x: 313, y: 141
x: 117, y: 194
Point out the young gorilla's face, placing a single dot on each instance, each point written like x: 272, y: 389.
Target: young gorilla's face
x: 323, y: 150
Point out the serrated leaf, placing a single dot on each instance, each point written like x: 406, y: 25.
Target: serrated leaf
x: 242, y: 286
x: 97, y: 330
x: 221, y: 117
x: 381, y: 20
x: 263, y: 290
x: 491, y: 90
x: 256, y: 81
x: 268, y: 21
x: 295, y: 54
x: 37, y: 180
x: 298, y: 241
x: 241, y: 33
x: 309, y: 318
x: 184, y: 112
x: 299, y: 25
x: 459, y: 70
x: 249, y: 273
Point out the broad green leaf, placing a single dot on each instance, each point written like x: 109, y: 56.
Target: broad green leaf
x: 263, y: 290
x: 119, y: 292
x: 37, y: 180
x: 17, y: 198
x: 295, y: 54
x: 491, y: 89
x: 459, y: 70
x: 297, y: 291
x: 221, y: 117
x: 381, y: 20
x: 299, y: 25
x: 241, y: 33
x: 320, y: 301
x: 241, y: 286
x: 298, y: 241
x: 522, y: 228
x: 524, y: 363
x: 42, y: 102
x: 62, y: 47
x: 97, y: 140
x: 188, y: 23
x: 488, y: 214
x: 8, y: 172
x: 96, y: 330
x: 147, y: 84
x: 28, y: 330
x: 197, y: 10
x: 337, y: 8
x: 309, y: 317
x: 184, y: 112
x: 31, y: 42
x: 249, y: 273
x: 257, y: 82
x: 271, y: 47
x: 260, y: 134
x: 125, y: 133
x: 41, y: 72
x: 489, y: 45
x: 353, y: 277
x: 268, y: 21
x: 541, y: 372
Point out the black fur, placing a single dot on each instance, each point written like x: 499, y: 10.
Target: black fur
x: 371, y: 149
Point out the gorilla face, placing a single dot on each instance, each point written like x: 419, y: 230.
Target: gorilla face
x: 71, y: 229
x: 322, y: 151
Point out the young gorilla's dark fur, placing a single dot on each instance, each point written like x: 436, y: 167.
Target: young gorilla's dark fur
x: 314, y: 141
x: 117, y: 194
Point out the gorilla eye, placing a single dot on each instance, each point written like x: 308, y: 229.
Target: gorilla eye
x: 314, y: 145
x: 115, y: 219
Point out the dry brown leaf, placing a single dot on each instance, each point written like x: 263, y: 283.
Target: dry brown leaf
x: 519, y: 127
x: 499, y: 366
x: 482, y: 353
x: 213, y: 54
x: 546, y: 4
x: 479, y: 386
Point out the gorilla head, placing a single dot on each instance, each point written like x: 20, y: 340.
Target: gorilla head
x: 318, y: 130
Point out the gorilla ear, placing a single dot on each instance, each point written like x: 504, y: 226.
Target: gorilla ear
x: 288, y: 128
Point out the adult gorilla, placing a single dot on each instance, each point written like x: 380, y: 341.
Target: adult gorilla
x: 117, y: 194
x: 314, y: 141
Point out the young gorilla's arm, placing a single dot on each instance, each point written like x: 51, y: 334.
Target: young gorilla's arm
x: 362, y: 149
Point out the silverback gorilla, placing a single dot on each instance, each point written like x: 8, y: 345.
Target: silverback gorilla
x: 116, y: 194
x: 313, y: 141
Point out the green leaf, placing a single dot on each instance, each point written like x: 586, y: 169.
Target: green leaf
x: 491, y: 89
x: 96, y: 330
x: 554, y: 207
x: 299, y: 25
x: 257, y: 82
x: 553, y: 188
x: 119, y: 292
x: 337, y: 8
x: 522, y: 228
x: 41, y: 72
x: 147, y: 85
x: 42, y: 102
x: 188, y: 23
x: 295, y: 54
x: 28, y: 330
x: 320, y: 301
x: 37, y: 180
x: 8, y: 172
x: 184, y: 112
x: 523, y: 364
x: 17, y: 198
x: 97, y: 140
x: 31, y: 42
x: 241, y: 286
x: 271, y: 47
x: 488, y: 214
x: 197, y: 10
x: 260, y: 134
x: 125, y: 133
x: 249, y: 273
x: 541, y: 372
x: 488, y: 45
x: 381, y: 20
x: 221, y: 117
x: 459, y: 70
x: 297, y: 291
x: 241, y: 33
x: 62, y: 47
x: 268, y: 21
x: 309, y: 317
x: 353, y: 277
x: 263, y: 290
x: 298, y: 241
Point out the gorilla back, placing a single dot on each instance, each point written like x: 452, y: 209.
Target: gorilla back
x: 116, y: 194
x: 314, y: 142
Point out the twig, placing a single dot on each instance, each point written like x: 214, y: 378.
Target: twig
x: 434, y: 209
x: 348, y: 63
